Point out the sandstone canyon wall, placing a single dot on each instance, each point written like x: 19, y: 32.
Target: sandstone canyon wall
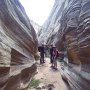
x: 18, y: 46
x: 37, y: 27
x: 52, y: 24
x: 68, y: 26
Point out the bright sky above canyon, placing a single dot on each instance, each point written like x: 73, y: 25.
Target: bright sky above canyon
x: 38, y: 10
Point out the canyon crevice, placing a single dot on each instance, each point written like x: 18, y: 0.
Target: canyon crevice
x: 67, y: 27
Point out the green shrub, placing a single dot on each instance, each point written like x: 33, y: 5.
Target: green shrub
x: 34, y: 83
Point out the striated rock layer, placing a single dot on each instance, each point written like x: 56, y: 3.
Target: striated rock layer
x: 36, y: 26
x: 18, y: 46
x: 69, y: 27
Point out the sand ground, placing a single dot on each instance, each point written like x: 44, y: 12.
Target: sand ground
x: 49, y: 77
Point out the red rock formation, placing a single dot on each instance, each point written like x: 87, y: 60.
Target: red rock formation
x: 18, y: 46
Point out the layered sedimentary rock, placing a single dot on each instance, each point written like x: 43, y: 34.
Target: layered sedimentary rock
x: 18, y: 46
x: 36, y: 26
x: 69, y: 22
x: 52, y: 24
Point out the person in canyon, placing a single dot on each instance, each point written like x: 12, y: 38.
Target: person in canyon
x: 41, y: 50
x: 51, y: 54
x: 55, y: 52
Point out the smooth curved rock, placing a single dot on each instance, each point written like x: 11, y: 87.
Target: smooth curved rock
x: 69, y: 22
x: 18, y: 46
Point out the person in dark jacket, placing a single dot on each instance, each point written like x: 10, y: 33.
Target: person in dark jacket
x: 41, y: 50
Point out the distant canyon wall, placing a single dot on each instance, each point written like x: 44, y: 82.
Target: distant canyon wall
x: 52, y: 24
x: 68, y: 27
x: 18, y: 46
x: 37, y: 27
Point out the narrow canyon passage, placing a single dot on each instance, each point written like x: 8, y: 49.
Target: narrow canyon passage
x: 67, y: 28
x: 49, y: 76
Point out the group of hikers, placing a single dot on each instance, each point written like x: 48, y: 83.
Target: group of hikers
x: 53, y: 53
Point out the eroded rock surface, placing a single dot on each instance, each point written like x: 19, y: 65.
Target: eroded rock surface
x: 36, y: 26
x: 18, y: 46
x: 69, y: 27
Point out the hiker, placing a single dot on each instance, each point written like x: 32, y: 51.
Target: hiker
x: 41, y: 50
x: 51, y: 54
x: 55, y: 58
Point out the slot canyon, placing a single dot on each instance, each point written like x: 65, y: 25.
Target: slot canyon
x: 67, y: 27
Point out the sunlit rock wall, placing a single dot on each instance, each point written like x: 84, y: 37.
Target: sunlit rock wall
x: 68, y: 26
x: 52, y: 24
x: 18, y: 46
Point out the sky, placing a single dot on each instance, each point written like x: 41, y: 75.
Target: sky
x: 38, y: 10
